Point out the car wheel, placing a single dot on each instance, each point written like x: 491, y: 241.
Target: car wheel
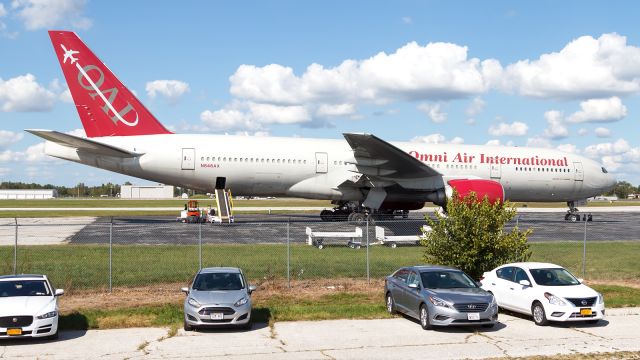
x: 424, y: 318
x: 391, y: 305
x: 246, y: 326
x: 187, y: 327
x: 539, y: 316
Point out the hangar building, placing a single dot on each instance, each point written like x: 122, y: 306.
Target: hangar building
x: 146, y: 192
x: 28, y: 194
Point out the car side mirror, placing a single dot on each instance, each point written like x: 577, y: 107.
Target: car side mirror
x: 59, y: 292
x: 479, y: 283
x: 185, y: 290
x: 524, y: 283
x: 252, y: 288
x: 414, y: 286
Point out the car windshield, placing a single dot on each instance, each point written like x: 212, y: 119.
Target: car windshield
x: 24, y: 288
x: 553, y: 277
x: 446, y: 279
x: 218, y: 281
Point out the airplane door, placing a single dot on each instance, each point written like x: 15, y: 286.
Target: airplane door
x: 579, y: 174
x: 496, y: 171
x: 188, y: 159
x: 321, y: 162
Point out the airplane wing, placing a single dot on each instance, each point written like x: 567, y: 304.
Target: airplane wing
x: 378, y: 158
x: 82, y: 144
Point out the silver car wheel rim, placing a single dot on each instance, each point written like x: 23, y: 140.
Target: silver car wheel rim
x: 423, y: 316
x: 389, y: 303
x: 537, y: 314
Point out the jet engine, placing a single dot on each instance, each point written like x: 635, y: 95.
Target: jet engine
x: 493, y: 190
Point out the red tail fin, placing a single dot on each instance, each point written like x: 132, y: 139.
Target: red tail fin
x: 106, y: 107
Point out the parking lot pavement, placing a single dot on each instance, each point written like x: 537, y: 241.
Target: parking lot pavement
x: 344, y: 339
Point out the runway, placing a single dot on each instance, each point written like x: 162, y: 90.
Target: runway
x: 262, y: 228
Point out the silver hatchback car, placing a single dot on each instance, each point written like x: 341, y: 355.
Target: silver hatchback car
x: 439, y: 295
x: 218, y: 296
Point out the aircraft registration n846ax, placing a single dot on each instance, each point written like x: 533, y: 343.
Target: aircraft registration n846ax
x: 363, y: 175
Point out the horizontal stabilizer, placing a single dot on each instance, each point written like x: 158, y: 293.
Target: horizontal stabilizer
x: 82, y: 144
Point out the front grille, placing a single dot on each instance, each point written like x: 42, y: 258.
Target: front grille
x: 580, y: 302
x: 216, y: 321
x: 578, y: 315
x: 20, y: 321
x: 471, y: 307
x: 210, y: 310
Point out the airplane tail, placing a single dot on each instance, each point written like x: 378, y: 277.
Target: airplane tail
x: 106, y: 107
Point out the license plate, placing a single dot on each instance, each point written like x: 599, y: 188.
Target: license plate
x: 473, y: 316
x: 217, y: 316
x: 585, y: 312
x: 14, y: 332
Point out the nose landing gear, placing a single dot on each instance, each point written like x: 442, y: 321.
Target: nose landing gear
x: 573, y: 214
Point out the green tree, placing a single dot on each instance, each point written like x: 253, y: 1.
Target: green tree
x: 472, y: 237
x: 622, y: 189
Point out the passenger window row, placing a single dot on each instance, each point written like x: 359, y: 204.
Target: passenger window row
x: 253, y: 160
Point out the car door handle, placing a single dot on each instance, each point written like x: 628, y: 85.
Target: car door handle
x: 511, y: 288
x: 494, y: 284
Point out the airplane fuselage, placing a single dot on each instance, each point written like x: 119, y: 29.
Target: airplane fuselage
x: 315, y: 168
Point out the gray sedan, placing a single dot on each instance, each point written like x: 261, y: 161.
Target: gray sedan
x: 218, y: 296
x: 439, y: 295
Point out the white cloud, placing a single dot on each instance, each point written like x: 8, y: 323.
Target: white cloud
x: 583, y: 132
x: 434, y: 112
x: 539, y: 142
x: 475, y: 108
x: 602, y: 132
x: 584, y: 68
x: 24, y: 94
x: 618, y: 156
x: 514, y: 129
x: 252, y: 116
x: 171, y: 90
x: 599, y: 110
x: 327, y: 110
x: 3, y: 11
x: 497, y: 142
x: 412, y: 72
x: 8, y: 138
x: 556, y: 129
x: 437, y: 139
x: 569, y: 148
x: 43, y: 14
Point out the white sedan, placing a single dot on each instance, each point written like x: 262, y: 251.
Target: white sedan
x: 28, y: 306
x: 548, y: 292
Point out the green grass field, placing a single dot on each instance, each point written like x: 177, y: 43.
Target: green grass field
x: 87, y: 266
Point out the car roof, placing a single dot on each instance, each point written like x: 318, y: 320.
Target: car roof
x: 533, y: 265
x: 23, y: 277
x: 220, y: 270
x: 432, y: 268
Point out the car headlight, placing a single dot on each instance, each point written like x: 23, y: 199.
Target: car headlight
x: 50, y: 314
x: 493, y: 301
x: 193, y: 302
x: 600, y: 298
x: 439, y: 302
x: 241, y: 302
x: 554, y: 300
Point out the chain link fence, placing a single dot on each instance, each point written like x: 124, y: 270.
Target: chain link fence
x: 103, y: 253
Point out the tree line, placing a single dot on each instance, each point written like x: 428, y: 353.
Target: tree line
x: 80, y: 190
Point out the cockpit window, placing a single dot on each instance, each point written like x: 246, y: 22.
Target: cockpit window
x: 604, y: 170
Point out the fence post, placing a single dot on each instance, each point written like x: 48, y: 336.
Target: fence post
x: 199, y: 246
x: 368, y: 273
x: 288, y: 255
x: 111, y: 255
x: 584, y: 252
x: 15, y: 250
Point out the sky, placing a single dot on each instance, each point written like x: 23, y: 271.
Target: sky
x: 551, y: 74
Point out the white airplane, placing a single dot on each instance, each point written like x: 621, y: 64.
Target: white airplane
x: 363, y: 175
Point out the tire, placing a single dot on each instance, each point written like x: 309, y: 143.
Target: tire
x: 424, y: 318
x: 187, y: 327
x: 320, y: 246
x: 391, y: 305
x: 574, y: 218
x: 393, y: 245
x: 539, y: 316
x: 326, y: 215
x: 246, y: 326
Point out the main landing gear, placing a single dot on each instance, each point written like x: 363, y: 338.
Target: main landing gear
x: 573, y: 214
x: 356, y: 214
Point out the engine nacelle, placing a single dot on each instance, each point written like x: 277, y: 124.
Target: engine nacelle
x: 493, y: 190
